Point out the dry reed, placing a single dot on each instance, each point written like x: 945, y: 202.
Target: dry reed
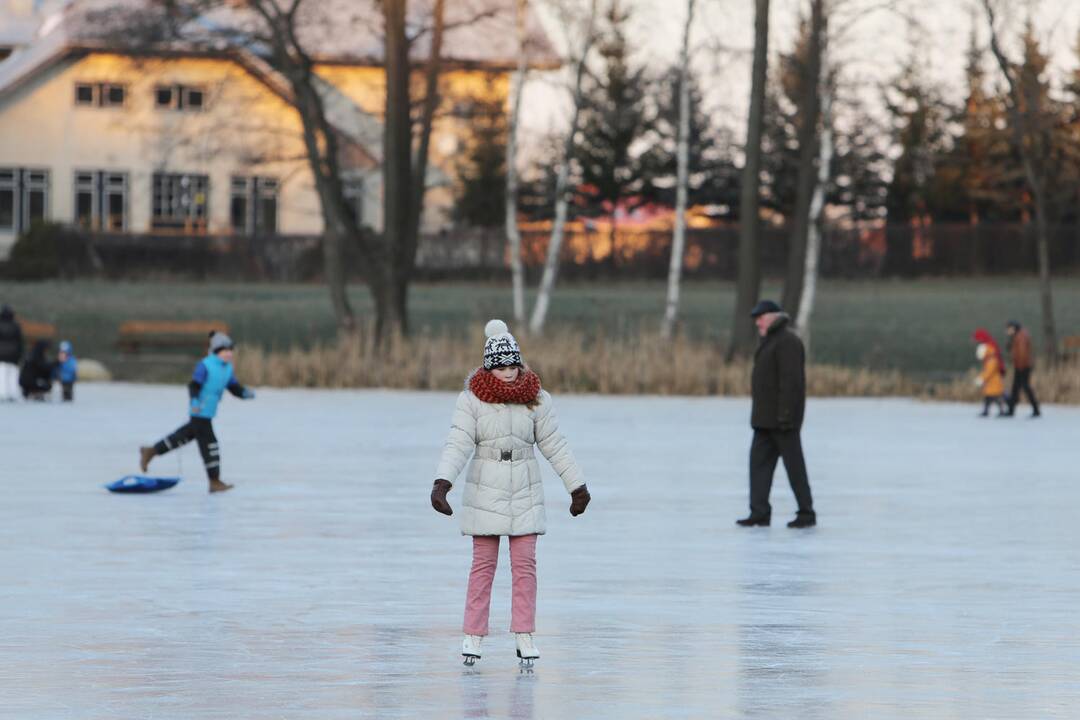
x: 576, y: 363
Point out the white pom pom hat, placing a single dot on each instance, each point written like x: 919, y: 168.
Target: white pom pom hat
x: 501, y: 349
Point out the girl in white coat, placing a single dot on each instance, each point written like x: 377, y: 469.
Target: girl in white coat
x: 500, y: 416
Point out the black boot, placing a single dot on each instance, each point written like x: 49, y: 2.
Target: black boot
x: 803, y: 520
x: 759, y: 521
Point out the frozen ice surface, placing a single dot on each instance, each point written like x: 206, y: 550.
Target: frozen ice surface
x: 942, y: 582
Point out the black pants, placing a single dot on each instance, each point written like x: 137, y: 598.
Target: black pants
x: 993, y: 401
x: 1022, y: 381
x: 768, y: 447
x: 202, y: 431
x: 68, y: 391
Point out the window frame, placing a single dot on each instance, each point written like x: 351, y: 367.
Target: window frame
x: 195, y: 217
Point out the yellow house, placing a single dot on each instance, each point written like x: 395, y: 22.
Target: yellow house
x: 181, y: 139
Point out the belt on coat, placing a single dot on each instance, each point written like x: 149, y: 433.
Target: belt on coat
x: 490, y: 453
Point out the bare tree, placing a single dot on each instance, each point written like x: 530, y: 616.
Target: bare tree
x: 513, y: 233
x: 406, y: 256
x: 1024, y: 109
x: 678, y: 240
x: 289, y: 57
x: 551, y: 265
x: 748, y: 285
x: 810, y: 74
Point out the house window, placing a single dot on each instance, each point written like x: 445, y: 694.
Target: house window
x: 253, y: 207
x: 106, y: 95
x: 163, y: 98
x: 24, y: 198
x: 35, y: 190
x: 101, y: 200
x: 179, y: 97
x: 85, y: 94
x: 114, y: 191
x: 9, y: 190
x: 354, y: 199
x: 180, y: 201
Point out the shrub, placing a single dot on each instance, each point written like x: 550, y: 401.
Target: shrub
x: 47, y: 251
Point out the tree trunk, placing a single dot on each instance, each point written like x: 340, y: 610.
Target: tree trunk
x: 810, y: 113
x: 817, y: 205
x: 1036, y: 182
x: 405, y: 262
x: 513, y: 233
x: 678, y: 240
x: 551, y: 265
x: 1046, y: 295
x: 397, y: 170
x: 748, y: 285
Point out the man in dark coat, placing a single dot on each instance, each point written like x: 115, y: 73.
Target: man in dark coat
x: 779, y: 400
x: 11, y: 352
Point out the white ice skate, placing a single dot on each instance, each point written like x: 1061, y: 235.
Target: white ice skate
x: 470, y: 649
x: 526, y: 650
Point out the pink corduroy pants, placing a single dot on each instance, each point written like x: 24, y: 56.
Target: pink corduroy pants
x: 523, y: 571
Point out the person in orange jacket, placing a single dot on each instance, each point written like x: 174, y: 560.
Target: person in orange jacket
x: 990, y: 379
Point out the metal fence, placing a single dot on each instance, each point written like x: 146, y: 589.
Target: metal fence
x: 865, y: 252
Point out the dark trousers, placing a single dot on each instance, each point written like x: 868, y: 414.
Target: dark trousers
x: 202, y: 431
x: 768, y: 447
x: 68, y: 390
x: 993, y: 401
x: 1022, y: 381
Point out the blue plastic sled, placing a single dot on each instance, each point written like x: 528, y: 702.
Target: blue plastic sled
x: 141, y: 484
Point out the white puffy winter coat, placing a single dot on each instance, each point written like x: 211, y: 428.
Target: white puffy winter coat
x: 505, y: 496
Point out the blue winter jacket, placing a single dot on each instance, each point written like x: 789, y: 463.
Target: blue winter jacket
x: 68, y: 370
x: 212, y: 377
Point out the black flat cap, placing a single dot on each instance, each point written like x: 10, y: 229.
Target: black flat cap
x: 764, y: 307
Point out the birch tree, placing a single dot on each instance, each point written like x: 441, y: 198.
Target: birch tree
x: 678, y: 240
x: 817, y: 205
x: 513, y: 233
x: 551, y: 264
x: 810, y: 80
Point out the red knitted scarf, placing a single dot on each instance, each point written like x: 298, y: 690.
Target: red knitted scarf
x: 491, y: 389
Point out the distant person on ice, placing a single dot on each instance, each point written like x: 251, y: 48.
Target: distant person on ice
x: 11, y: 352
x: 500, y: 416
x: 36, y: 377
x: 990, y: 379
x: 67, y: 370
x: 778, y: 387
x: 212, y: 377
x: 1023, y: 360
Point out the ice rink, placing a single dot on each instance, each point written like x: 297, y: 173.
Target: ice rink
x: 943, y: 580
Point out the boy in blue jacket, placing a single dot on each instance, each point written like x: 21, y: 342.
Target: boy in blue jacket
x: 212, y: 377
x: 67, y: 370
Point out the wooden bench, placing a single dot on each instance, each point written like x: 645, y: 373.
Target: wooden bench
x: 34, y: 331
x: 136, y: 334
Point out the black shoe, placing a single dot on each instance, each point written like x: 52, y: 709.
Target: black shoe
x: 760, y: 521
x: 1035, y: 414
x: 803, y: 521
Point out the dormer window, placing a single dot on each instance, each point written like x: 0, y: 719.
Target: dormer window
x: 106, y: 95
x: 179, y: 97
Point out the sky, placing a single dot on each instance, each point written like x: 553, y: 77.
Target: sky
x: 872, y: 49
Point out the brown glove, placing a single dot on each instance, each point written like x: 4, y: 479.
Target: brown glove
x: 438, y: 497
x: 579, y: 500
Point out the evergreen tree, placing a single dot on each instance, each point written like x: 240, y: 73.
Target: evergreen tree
x: 481, y: 168
x: 616, y: 115
x: 920, y: 132
x: 714, y: 179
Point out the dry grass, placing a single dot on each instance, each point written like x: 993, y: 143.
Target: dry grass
x: 576, y: 363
